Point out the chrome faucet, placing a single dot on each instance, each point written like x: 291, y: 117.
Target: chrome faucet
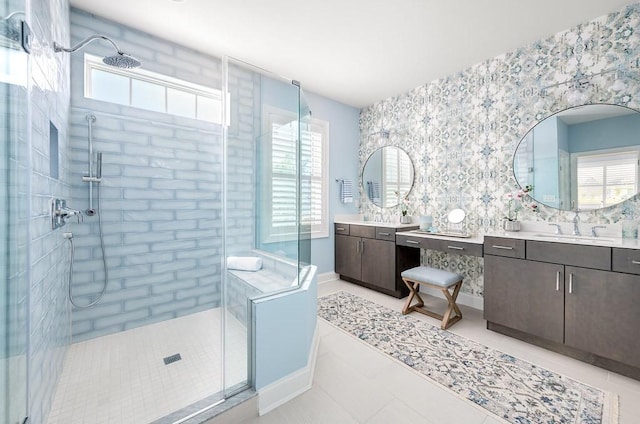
x: 594, y: 233
x: 60, y: 213
x: 576, y: 220
x: 558, y: 229
x: 66, y: 213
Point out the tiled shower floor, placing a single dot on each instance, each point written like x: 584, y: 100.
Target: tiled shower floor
x: 122, y: 378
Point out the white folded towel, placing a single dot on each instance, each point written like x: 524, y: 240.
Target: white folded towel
x: 244, y: 263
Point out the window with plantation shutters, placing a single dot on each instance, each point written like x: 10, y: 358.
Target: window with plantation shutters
x: 607, y: 178
x: 281, y: 176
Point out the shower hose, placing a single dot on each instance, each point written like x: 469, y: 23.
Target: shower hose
x: 104, y: 261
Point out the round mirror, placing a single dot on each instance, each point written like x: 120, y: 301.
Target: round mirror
x: 387, y: 176
x: 585, y: 157
x: 456, y: 216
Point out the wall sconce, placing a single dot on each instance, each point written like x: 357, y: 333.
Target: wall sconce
x: 578, y: 92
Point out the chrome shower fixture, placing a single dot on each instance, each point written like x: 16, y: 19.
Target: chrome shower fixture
x: 118, y: 60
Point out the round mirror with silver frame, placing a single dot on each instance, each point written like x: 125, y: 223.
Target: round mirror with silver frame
x: 387, y: 176
x: 584, y: 157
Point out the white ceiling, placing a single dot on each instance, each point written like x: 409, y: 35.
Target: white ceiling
x: 354, y: 51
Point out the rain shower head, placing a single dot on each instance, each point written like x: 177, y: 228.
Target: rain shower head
x: 119, y: 60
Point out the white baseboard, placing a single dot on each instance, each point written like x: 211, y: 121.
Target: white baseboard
x: 287, y: 388
x: 327, y: 276
x: 475, y: 302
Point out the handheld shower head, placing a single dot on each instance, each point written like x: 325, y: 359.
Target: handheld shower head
x: 118, y: 60
x: 99, y: 166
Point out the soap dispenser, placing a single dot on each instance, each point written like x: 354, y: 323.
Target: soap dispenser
x: 629, y: 225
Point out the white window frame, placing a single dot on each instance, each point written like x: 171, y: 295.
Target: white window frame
x: 92, y: 62
x: 272, y: 115
x: 574, y: 167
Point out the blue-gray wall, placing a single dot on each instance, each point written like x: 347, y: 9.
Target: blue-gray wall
x: 622, y: 131
x: 344, y: 142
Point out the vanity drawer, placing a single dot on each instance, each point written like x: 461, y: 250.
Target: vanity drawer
x: 362, y: 231
x: 409, y: 241
x: 451, y: 246
x: 626, y: 260
x: 595, y: 257
x: 341, y: 229
x: 501, y: 246
x: 383, y: 233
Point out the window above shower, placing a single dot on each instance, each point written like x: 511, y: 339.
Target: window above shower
x: 151, y: 91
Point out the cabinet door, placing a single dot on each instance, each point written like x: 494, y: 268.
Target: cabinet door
x: 602, y: 314
x: 348, y: 260
x: 525, y: 295
x: 379, y: 263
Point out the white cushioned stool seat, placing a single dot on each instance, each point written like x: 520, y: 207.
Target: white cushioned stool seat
x: 433, y: 276
x: 440, y: 279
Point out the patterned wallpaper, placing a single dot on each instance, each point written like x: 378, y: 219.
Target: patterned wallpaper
x: 461, y: 131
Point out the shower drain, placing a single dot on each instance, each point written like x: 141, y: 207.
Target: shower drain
x: 171, y: 359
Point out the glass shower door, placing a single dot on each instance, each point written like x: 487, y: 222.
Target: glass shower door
x: 262, y: 207
x: 14, y: 78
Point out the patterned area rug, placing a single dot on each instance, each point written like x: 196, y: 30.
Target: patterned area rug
x: 512, y: 389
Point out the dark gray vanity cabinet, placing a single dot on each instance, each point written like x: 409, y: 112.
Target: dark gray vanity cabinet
x: 602, y: 313
x: 368, y: 256
x: 566, y: 297
x: 348, y: 259
x: 525, y: 295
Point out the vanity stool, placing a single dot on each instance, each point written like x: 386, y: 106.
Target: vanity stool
x: 437, y: 278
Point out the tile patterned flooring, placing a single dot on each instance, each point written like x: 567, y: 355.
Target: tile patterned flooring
x: 355, y: 383
x: 122, y: 378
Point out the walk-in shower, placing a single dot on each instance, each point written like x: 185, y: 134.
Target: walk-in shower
x: 166, y: 198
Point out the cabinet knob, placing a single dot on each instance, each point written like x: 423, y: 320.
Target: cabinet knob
x: 635, y: 262
x: 455, y: 247
x: 384, y: 234
x: 413, y: 242
x: 558, y: 281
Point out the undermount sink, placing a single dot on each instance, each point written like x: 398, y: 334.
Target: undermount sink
x: 570, y: 237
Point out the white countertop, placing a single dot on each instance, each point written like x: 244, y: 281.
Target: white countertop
x: 604, y: 241
x: 358, y: 220
x: 534, y: 230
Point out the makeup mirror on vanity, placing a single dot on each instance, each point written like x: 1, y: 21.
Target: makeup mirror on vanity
x: 387, y: 176
x: 584, y: 157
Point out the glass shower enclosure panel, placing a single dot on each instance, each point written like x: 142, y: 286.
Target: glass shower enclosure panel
x: 265, y: 243
x: 13, y: 214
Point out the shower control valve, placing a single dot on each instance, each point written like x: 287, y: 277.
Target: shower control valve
x: 60, y: 213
